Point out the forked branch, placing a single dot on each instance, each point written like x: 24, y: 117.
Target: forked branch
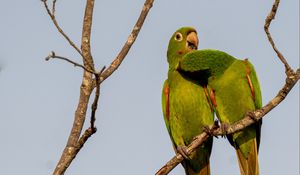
x: 91, y: 78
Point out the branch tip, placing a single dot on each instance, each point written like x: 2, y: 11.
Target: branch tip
x: 51, y: 55
x: 53, y: 18
x: 102, y: 70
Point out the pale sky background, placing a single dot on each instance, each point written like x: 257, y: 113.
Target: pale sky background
x: 38, y: 98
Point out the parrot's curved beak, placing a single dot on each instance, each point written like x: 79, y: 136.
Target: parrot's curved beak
x: 192, y: 41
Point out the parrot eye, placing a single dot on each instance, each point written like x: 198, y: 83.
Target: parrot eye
x: 178, y: 37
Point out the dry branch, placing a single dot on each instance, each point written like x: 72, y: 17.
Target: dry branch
x: 91, y: 78
x: 249, y: 118
x: 53, y: 55
x: 134, y: 33
x: 53, y: 18
x: 86, y: 35
x: 72, y: 148
x: 268, y: 21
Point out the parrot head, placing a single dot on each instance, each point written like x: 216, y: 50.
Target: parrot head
x: 183, y: 41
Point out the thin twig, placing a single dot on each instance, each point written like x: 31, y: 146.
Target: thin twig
x: 53, y: 18
x: 96, y: 99
x: 268, y: 21
x: 250, y: 117
x: 53, y: 7
x: 53, y: 55
x: 132, y: 37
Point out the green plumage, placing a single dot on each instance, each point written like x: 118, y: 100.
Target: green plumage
x: 185, y: 105
x: 236, y: 91
x: 202, y: 80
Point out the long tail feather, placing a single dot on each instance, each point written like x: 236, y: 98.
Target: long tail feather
x: 204, y: 171
x: 249, y: 166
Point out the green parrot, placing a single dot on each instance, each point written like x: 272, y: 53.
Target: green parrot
x: 185, y: 104
x: 233, y: 89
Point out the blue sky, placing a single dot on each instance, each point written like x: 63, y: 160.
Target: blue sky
x: 38, y: 98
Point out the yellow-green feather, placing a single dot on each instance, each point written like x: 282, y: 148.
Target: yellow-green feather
x: 188, y: 106
x: 228, y: 79
x: 189, y: 113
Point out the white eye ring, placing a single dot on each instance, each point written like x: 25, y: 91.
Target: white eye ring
x: 178, y: 36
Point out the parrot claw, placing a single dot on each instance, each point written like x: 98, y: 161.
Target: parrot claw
x: 183, y: 151
x: 224, y: 127
x: 209, y: 130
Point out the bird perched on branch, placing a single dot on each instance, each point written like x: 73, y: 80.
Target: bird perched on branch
x: 185, y: 105
x: 232, y: 89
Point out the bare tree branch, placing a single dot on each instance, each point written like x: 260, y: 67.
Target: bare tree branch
x: 134, y: 33
x: 53, y: 7
x: 53, y: 18
x: 53, y: 55
x: 249, y: 118
x: 86, y: 89
x: 86, y: 35
x: 268, y: 21
x: 75, y: 142
x: 87, y: 133
x: 96, y: 99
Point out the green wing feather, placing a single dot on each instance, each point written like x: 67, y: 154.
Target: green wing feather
x: 214, y: 61
x: 189, y: 113
x: 237, y: 91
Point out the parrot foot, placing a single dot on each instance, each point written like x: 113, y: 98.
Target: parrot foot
x: 224, y: 127
x: 210, y: 130
x: 183, y: 151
